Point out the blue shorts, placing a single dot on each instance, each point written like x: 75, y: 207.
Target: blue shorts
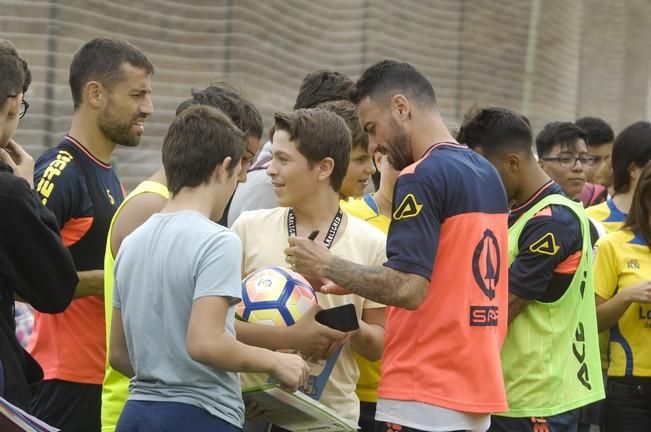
x: 145, y: 416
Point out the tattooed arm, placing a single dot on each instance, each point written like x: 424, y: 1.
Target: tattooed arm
x: 377, y: 283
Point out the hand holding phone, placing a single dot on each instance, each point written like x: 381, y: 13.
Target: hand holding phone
x: 342, y: 318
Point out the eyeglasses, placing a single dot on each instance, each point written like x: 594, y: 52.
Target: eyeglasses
x: 570, y: 161
x: 24, y: 106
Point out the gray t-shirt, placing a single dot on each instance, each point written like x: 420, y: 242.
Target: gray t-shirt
x: 165, y: 264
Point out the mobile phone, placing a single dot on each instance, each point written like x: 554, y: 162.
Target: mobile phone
x: 342, y: 318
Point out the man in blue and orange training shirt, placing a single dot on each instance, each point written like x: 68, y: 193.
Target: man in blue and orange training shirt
x: 445, y: 280
x: 110, y: 82
x: 551, y: 355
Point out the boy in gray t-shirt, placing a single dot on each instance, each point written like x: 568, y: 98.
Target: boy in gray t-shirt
x: 177, y: 279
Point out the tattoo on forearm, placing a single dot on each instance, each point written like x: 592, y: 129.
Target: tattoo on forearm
x: 377, y: 283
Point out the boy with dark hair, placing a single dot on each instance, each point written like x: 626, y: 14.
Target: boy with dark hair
x: 173, y: 328
x: 563, y: 154
x: 600, y: 145
x: 322, y: 86
x: 311, y: 149
x: 317, y: 87
x: 551, y: 307
x: 35, y: 266
x: 110, y: 82
x: 360, y: 167
x: 446, y: 293
x: 148, y: 198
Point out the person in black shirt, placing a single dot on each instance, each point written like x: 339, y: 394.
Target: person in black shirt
x: 35, y: 267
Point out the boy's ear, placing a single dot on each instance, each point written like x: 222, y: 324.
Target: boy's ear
x: 325, y: 168
x: 221, y: 171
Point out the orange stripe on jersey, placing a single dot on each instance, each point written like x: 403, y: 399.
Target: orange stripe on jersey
x: 411, y: 168
x: 547, y: 211
x: 570, y: 264
x: 75, y: 229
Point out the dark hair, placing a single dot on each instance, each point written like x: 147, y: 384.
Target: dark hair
x: 599, y: 132
x: 225, y: 98
x: 638, y: 216
x: 389, y: 76
x: 495, y: 130
x: 348, y: 111
x: 632, y: 146
x: 14, y: 71
x: 212, y: 137
x: 322, y: 86
x: 318, y: 134
x: 101, y: 60
x: 564, y: 133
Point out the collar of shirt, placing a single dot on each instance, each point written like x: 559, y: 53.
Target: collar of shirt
x: 549, y: 188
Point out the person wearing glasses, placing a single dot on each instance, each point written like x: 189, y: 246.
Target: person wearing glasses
x: 563, y: 154
x: 35, y: 266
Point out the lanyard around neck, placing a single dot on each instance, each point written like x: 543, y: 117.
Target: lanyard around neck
x: 332, y: 231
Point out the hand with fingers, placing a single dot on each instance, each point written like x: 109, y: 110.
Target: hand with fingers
x: 314, y: 340
x: 640, y: 293
x: 307, y: 257
x: 290, y: 370
x: 19, y: 160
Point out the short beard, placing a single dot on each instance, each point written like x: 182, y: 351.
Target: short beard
x: 118, y: 131
x: 399, y: 147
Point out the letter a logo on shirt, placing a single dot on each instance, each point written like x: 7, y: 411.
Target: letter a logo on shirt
x: 546, y: 245
x: 408, y: 208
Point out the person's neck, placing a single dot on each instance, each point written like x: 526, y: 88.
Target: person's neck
x: 534, y: 179
x: 202, y: 199
x: 84, y: 129
x: 159, y: 177
x: 429, y: 131
x: 623, y: 201
x: 384, y: 198
x: 318, y: 211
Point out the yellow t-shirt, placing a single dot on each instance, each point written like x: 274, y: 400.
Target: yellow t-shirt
x: 369, y: 372
x: 623, y: 259
x: 607, y: 214
x: 264, y: 238
x: 611, y: 219
x: 115, y: 389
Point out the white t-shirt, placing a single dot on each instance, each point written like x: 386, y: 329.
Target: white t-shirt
x: 264, y: 238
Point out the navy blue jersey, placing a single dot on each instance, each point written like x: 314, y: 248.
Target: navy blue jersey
x: 83, y: 193
x: 549, y: 249
x: 450, y: 184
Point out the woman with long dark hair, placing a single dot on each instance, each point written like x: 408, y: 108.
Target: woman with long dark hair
x: 623, y: 291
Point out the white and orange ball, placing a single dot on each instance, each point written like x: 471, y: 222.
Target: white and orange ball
x: 275, y: 296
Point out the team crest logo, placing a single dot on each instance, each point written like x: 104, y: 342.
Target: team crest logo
x: 408, y: 208
x: 633, y: 264
x: 546, y: 245
x: 486, y: 264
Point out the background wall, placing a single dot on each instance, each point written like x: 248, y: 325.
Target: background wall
x: 549, y: 59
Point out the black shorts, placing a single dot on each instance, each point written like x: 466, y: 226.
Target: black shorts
x: 71, y: 407
x: 565, y: 422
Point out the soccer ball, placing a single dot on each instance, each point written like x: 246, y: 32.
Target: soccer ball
x: 275, y: 296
